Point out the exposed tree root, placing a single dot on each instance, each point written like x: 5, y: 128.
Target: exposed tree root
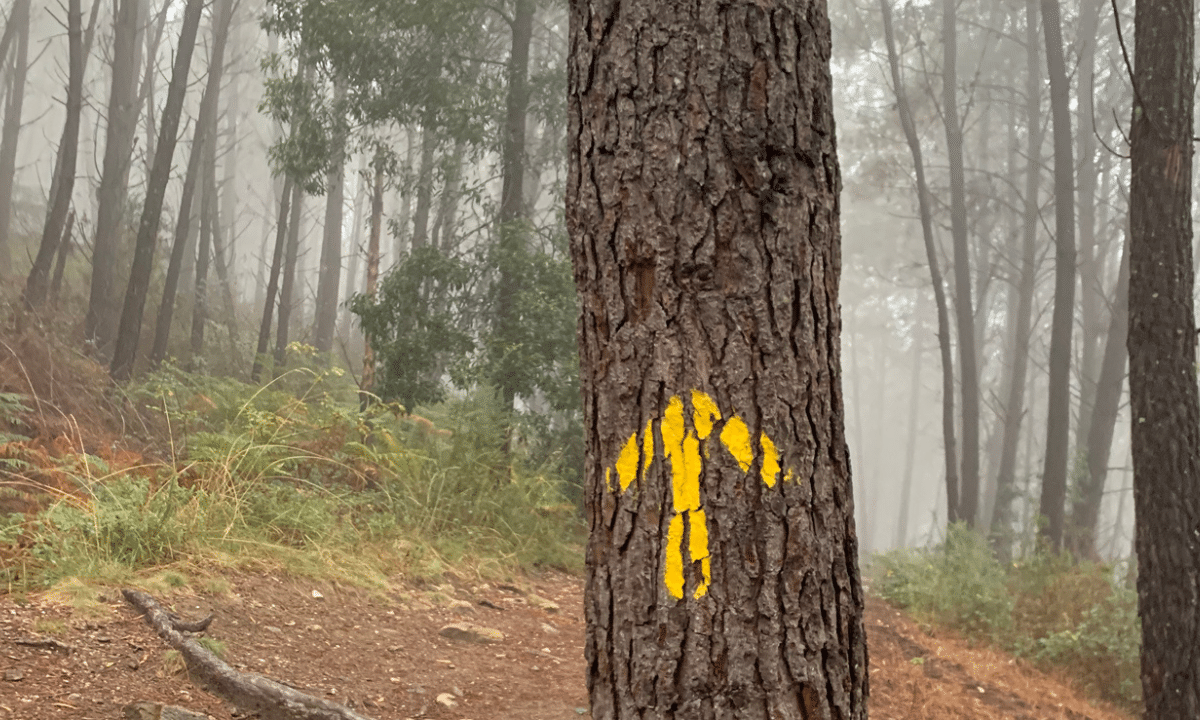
x: 250, y: 692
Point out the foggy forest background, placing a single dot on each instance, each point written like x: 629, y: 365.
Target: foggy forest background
x: 307, y: 105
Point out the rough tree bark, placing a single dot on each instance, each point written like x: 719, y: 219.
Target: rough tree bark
x: 1058, y: 416
x: 1014, y: 406
x: 702, y: 205
x: 130, y: 329
x: 963, y: 313
x: 18, y: 25
x: 63, y: 183
x: 949, y: 444
x: 1162, y: 358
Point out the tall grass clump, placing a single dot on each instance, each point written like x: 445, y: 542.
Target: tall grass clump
x: 1058, y: 613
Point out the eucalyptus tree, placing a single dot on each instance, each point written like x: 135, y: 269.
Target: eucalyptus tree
x: 16, y: 26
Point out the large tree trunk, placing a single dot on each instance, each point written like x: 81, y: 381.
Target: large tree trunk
x: 1058, y: 415
x: 1014, y: 406
x: 722, y: 576
x: 511, y: 234
x: 63, y: 184
x: 18, y: 24
x: 1162, y: 358
x: 103, y: 312
x: 967, y: 360
x: 129, y: 332
x: 329, y: 274
x: 949, y: 444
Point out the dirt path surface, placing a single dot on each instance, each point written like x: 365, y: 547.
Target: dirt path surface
x: 385, y: 656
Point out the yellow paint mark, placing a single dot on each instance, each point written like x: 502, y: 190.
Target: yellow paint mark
x: 608, y: 479
x: 673, y: 574
x: 706, y: 413
x: 627, y: 463
x: 736, y: 437
x: 770, y: 463
x: 698, y: 548
x: 787, y: 476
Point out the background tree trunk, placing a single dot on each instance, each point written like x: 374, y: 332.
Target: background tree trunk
x: 264, y: 328
x: 1162, y: 357
x: 103, y: 312
x: 18, y: 24
x: 950, y: 446
x: 129, y: 332
x: 1058, y: 418
x: 63, y: 184
x: 329, y: 275
x: 967, y: 360
x: 288, y: 282
x: 368, y: 374
x: 708, y: 288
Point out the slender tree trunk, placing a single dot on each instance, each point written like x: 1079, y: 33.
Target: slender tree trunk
x: 968, y: 364
x: 1085, y: 510
x: 1162, y: 357
x: 420, y: 235
x: 60, y: 265
x: 229, y: 304
x: 148, y: 84
x: 939, y: 293
x: 914, y: 405
x: 18, y: 24
x: 722, y: 577
x: 1090, y: 263
x: 368, y: 373
x: 1014, y: 406
x: 103, y: 311
x: 510, y: 231
x: 356, y: 250
x: 286, y: 291
x: 180, y: 246
x: 443, y: 236
x: 329, y: 275
x: 129, y: 332
x: 264, y: 328
x: 63, y: 184
x: 1058, y: 418
x: 204, y: 247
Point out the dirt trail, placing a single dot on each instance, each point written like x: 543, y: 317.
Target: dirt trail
x: 385, y: 657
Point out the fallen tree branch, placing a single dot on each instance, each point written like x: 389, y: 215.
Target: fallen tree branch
x: 250, y: 692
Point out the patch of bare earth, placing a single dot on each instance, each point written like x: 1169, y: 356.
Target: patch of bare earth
x: 385, y: 656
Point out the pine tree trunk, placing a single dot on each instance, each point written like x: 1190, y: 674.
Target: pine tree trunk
x: 63, y: 183
x: 967, y: 359
x: 1162, y: 357
x: 130, y: 329
x: 722, y: 576
x: 949, y: 444
x: 100, y: 325
x: 1058, y: 417
x: 60, y: 265
x: 1014, y: 406
x: 18, y: 24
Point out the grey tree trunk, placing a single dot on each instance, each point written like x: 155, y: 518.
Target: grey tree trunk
x: 368, y: 372
x: 288, y: 283
x: 1058, y: 417
x: 1014, y: 406
x: 130, y: 329
x: 949, y: 443
x: 264, y: 328
x: 100, y: 325
x: 63, y: 184
x: 967, y: 360
x: 18, y: 25
x: 329, y: 274
x: 722, y: 577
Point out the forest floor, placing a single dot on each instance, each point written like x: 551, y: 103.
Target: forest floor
x: 383, y: 654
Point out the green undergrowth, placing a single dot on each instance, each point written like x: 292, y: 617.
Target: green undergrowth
x: 293, y: 478
x: 1078, y: 618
